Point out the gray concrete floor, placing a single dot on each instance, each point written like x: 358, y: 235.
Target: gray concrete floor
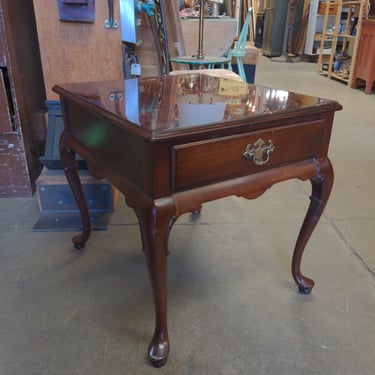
x: 233, y: 307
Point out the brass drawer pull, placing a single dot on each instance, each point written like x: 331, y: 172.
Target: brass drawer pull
x: 259, y: 152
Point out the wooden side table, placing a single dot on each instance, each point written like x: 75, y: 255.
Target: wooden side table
x: 244, y: 139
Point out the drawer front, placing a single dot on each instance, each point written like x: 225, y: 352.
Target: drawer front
x: 205, y: 162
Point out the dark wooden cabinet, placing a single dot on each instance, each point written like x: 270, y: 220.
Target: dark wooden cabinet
x: 365, y: 65
x: 22, y: 95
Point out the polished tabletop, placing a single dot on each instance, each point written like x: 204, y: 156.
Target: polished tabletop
x: 167, y: 106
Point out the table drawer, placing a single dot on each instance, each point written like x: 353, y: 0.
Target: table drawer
x: 216, y: 159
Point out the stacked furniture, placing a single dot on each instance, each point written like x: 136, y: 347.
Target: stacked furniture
x: 343, y: 37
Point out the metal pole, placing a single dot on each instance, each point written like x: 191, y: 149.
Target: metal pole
x: 200, y: 54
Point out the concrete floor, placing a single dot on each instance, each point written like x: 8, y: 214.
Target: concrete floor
x: 233, y: 306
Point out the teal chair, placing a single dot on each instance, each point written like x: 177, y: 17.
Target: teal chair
x: 239, y: 49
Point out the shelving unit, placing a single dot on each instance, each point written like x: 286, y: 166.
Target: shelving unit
x: 315, y: 28
x: 338, y: 60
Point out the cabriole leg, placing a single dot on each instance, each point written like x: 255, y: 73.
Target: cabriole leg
x: 155, y: 225
x: 67, y: 156
x: 321, y: 189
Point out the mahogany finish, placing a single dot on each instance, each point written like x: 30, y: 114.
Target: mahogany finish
x: 137, y: 134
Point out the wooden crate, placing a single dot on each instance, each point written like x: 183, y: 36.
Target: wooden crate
x: 54, y: 194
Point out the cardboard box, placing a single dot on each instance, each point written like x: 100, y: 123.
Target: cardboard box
x: 322, y: 8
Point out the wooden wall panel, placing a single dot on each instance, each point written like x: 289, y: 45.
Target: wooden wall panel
x: 77, y: 51
x: 86, y: 52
